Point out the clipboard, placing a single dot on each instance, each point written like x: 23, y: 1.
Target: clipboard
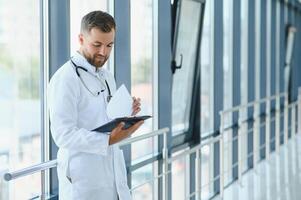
x: 128, y: 122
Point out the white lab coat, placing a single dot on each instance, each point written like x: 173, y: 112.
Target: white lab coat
x: 97, y: 170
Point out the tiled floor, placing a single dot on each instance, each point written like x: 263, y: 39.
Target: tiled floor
x: 278, y: 178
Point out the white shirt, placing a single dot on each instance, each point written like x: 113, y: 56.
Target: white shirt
x: 97, y: 170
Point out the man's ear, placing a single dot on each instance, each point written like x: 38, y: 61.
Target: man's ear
x: 81, y: 39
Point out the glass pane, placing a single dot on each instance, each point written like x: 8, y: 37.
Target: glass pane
x: 142, y: 190
x: 207, y: 171
x: 244, y: 52
x: 20, y: 103
x: 244, y: 145
x: 20, y: 189
x: 228, y: 57
x: 228, y: 151
x: 183, y: 78
x: 244, y: 78
x: 207, y: 71
x: 142, y: 68
x: 228, y: 71
x: 78, y: 9
x: 180, y: 178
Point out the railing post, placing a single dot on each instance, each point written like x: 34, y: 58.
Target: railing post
x: 221, y: 151
x: 293, y: 124
x: 299, y: 111
x: 286, y: 119
x: 239, y: 140
x: 165, y: 167
x: 198, y: 174
x: 267, y: 128
x: 255, y: 134
x: 43, y: 189
x: 277, y: 123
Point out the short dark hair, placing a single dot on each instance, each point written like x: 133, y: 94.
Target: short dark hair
x: 97, y: 19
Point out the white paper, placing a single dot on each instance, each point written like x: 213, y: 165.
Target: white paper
x: 120, y: 104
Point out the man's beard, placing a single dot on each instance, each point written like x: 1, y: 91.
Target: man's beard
x: 97, y: 63
x: 92, y: 60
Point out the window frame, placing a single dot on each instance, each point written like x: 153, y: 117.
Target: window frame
x: 191, y: 136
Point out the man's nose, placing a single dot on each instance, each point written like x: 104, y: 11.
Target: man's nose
x: 102, y: 50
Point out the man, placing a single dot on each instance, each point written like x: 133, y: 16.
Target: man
x: 90, y: 166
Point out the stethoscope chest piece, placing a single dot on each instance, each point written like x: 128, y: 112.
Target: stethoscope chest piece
x: 109, y: 97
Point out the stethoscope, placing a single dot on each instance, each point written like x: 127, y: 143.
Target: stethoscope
x: 105, y: 85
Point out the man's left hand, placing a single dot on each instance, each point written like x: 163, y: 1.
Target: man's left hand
x: 136, y: 106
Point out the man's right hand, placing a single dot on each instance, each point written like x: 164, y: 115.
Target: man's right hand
x: 119, y: 133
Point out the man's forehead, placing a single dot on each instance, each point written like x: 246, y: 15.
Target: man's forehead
x: 100, y: 36
x: 98, y: 31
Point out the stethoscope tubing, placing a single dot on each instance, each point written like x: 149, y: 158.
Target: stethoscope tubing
x: 78, y: 74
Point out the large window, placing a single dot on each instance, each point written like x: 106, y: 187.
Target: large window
x: 143, y: 65
x: 141, y: 184
x: 186, y: 46
x: 207, y: 172
x: 78, y: 9
x: 207, y: 71
x: 207, y: 100
x: 180, y: 178
x: 228, y: 71
x: 20, y: 102
x: 256, y: 130
x: 244, y: 80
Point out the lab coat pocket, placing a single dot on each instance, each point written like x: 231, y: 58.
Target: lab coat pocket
x: 77, y: 170
x: 68, y: 170
x: 63, y: 159
x: 91, y: 171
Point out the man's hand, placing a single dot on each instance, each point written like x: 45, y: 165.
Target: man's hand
x: 119, y: 134
x: 136, y: 106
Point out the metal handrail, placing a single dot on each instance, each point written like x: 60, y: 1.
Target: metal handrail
x: 53, y: 163
x: 194, y: 149
x: 219, y: 138
x: 143, y: 137
x: 168, y: 159
x: 257, y: 125
x: 30, y: 170
x: 237, y: 108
